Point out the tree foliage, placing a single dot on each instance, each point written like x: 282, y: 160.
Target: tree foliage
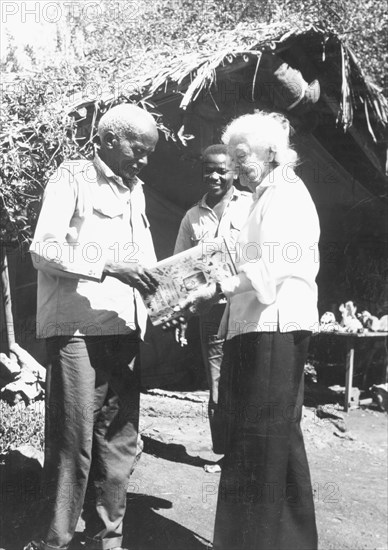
x: 164, y: 23
x: 37, y: 135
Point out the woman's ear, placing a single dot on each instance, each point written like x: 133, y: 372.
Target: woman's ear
x: 271, y: 155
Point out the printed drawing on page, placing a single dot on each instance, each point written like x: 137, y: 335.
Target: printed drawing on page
x: 208, y: 262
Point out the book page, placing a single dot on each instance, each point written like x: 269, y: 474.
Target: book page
x: 179, y: 275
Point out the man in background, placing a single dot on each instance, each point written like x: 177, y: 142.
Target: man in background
x: 220, y: 213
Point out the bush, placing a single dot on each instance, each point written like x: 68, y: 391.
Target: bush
x: 37, y: 133
x: 20, y: 425
x: 37, y: 136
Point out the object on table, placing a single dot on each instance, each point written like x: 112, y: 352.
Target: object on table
x: 349, y: 319
x: 383, y: 323
x: 369, y: 321
x: 380, y: 396
x: 328, y: 323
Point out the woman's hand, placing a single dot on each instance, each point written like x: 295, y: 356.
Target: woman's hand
x: 197, y: 303
x: 179, y: 327
x: 200, y: 301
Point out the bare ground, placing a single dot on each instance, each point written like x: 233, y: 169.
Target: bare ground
x: 348, y: 461
x: 172, y: 500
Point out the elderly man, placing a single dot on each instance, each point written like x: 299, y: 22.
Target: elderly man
x: 220, y: 213
x: 91, y: 244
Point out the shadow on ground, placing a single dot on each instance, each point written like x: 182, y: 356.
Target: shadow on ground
x: 172, y: 452
x: 20, y: 487
x: 317, y: 394
x: 144, y: 529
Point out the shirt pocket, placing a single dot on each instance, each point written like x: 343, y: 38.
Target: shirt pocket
x: 236, y: 224
x: 199, y: 234
x: 108, y: 210
x: 107, y: 224
x: 106, y: 204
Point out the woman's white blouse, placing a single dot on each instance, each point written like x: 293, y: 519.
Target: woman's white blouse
x: 277, y: 260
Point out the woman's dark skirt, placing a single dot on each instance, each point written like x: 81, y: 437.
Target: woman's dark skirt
x: 265, y: 499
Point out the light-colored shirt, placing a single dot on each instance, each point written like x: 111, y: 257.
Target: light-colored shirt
x: 201, y: 223
x: 88, y: 216
x: 277, y: 260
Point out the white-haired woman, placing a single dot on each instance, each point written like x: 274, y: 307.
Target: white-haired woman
x: 265, y: 497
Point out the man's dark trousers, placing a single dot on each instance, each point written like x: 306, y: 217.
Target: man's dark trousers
x: 211, y: 347
x: 92, y: 413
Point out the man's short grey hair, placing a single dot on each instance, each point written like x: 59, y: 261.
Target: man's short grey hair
x: 269, y: 130
x: 124, y: 120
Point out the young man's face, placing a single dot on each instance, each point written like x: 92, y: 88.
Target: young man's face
x: 216, y: 176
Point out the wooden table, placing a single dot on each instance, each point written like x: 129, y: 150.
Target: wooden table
x: 351, y: 338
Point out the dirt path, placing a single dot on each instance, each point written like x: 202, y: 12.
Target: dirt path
x: 174, y: 499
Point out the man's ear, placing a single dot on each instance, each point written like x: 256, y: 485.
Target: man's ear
x: 109, y: 140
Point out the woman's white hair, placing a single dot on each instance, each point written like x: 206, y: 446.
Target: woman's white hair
x: 123, y: 120
x: 269, y: 130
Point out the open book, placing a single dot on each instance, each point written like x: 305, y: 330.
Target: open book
x: 208, y: 262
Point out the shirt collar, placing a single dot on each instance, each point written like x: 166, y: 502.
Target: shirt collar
x: 110, y: 175
x: 271, y: 180
x: 234, y: 196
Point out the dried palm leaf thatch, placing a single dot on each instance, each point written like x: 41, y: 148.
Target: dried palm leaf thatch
x: 32, y: 147
x: 192, y: 68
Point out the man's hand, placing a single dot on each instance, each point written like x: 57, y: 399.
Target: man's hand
x: 200, y: 301
x: 132, y: 274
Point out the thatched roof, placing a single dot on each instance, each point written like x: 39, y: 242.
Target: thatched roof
x: 213, y: 55
x: 182, y: 85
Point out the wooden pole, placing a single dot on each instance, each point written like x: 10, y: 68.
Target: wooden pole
x: 7, y: 303
x: 350, y: 343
